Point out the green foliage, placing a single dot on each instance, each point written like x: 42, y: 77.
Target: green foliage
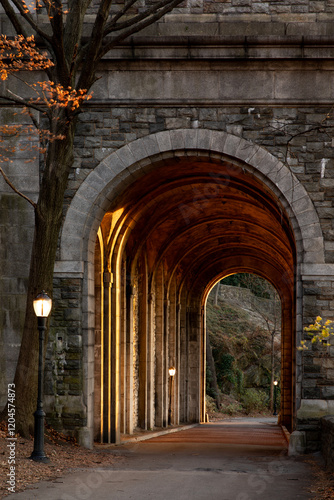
x: 233, y: 408
x: 209, y: 389
x: 210, y: 404
x: 240, y: 349
x: 254, y: 400
x: 229, y: 376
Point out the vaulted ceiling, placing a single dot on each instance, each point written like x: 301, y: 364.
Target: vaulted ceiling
x: 204, y: 219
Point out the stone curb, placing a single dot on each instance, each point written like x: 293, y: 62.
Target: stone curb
x: 153, y: 434
x: 286, y: 433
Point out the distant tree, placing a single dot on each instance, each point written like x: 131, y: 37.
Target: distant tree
x: 245, y: 280
x: 69, y: 61
x: 243, y: 352
x: 271, y: 317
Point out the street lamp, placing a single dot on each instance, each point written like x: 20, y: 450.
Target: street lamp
x: 275, y: 397
x: 171, y: 371
x: 42, y: 307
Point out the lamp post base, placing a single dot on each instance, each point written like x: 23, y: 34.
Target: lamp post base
x: 39, y: 457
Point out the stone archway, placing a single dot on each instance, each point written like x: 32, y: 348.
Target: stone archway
x: 136, y: 173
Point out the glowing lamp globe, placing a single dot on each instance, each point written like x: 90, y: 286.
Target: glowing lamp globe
x: 42, y: 305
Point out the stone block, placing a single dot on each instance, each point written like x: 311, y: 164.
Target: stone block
x: 312, y: 408
x: 297, y: 443
x: 177, y: 139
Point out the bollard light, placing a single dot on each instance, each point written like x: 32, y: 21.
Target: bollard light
x: 171, y: 371
x: 42, y: 307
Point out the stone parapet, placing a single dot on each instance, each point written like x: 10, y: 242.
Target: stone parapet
x: 327, y: 441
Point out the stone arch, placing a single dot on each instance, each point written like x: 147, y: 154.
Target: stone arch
x: 123, y: 167
x: 118, y: 169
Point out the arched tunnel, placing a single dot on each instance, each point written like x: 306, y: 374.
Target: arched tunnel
x: 164, y: 242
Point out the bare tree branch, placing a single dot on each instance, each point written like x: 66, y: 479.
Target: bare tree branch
x: 121, y: 13
x: 25, y: 15
x: 155, y: 8
x: 16, y: 190
x: 90, y: 54
x: 165, y: 6
x: 18, y: 26
x: 22, y: 102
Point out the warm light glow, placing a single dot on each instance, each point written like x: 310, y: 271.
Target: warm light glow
x: 172, y: 371
x: 42, y: 305
x: 275, y: 382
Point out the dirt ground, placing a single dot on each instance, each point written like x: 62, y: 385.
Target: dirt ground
x: 66, y: 456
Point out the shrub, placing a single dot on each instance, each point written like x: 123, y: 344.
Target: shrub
x: 210, y: 404
x: 254, y: 400
x: 233, y: 408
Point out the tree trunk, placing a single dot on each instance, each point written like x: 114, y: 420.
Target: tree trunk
x: 217, y: 293
x: 48, y: 219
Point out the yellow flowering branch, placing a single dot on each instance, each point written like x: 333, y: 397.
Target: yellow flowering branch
x: 320, y: 331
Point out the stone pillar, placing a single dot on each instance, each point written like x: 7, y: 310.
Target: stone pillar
x: 172, y: 351
x: 143, y: 343
x: 193, y: 327
x: 150, y: 362
x: 202, y: 366
x: 317, y: 390
x: 123, y: 351
x: 106, y: 359
x: 287, y: 367
x: 97, y: 345
x: 177, y: 365
x: 160, y: 410
x: 115, y: 368
x: 183, y: 365
x: 129, y: 358
x: 165, y: 376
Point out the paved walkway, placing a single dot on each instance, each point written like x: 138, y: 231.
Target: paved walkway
x: 247, y: 431
x: 240, y: 459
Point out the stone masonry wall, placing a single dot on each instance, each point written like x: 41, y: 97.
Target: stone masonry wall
x: 109, y: 124
x: 327, y: 441
x: 310, y: 156
x: 223, y: 17
x: 237, y: 7
x: 63, y: 365
x: 16, y: 236
x: 231, y: 17
x: 102, y: 131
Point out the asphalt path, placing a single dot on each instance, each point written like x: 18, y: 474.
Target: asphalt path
x: 241, y: 459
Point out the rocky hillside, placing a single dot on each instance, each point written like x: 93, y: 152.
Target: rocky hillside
x: 244, y: 334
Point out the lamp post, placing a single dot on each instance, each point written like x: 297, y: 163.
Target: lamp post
x: 275, y: 397
x: 42, y: 307
x: 171, y: 372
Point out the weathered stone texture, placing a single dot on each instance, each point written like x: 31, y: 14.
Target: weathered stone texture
x: 63, y: 365
x: 16, y: 233
x: 327, y: 441
x: 274, y: 95
x: 311, y: 161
